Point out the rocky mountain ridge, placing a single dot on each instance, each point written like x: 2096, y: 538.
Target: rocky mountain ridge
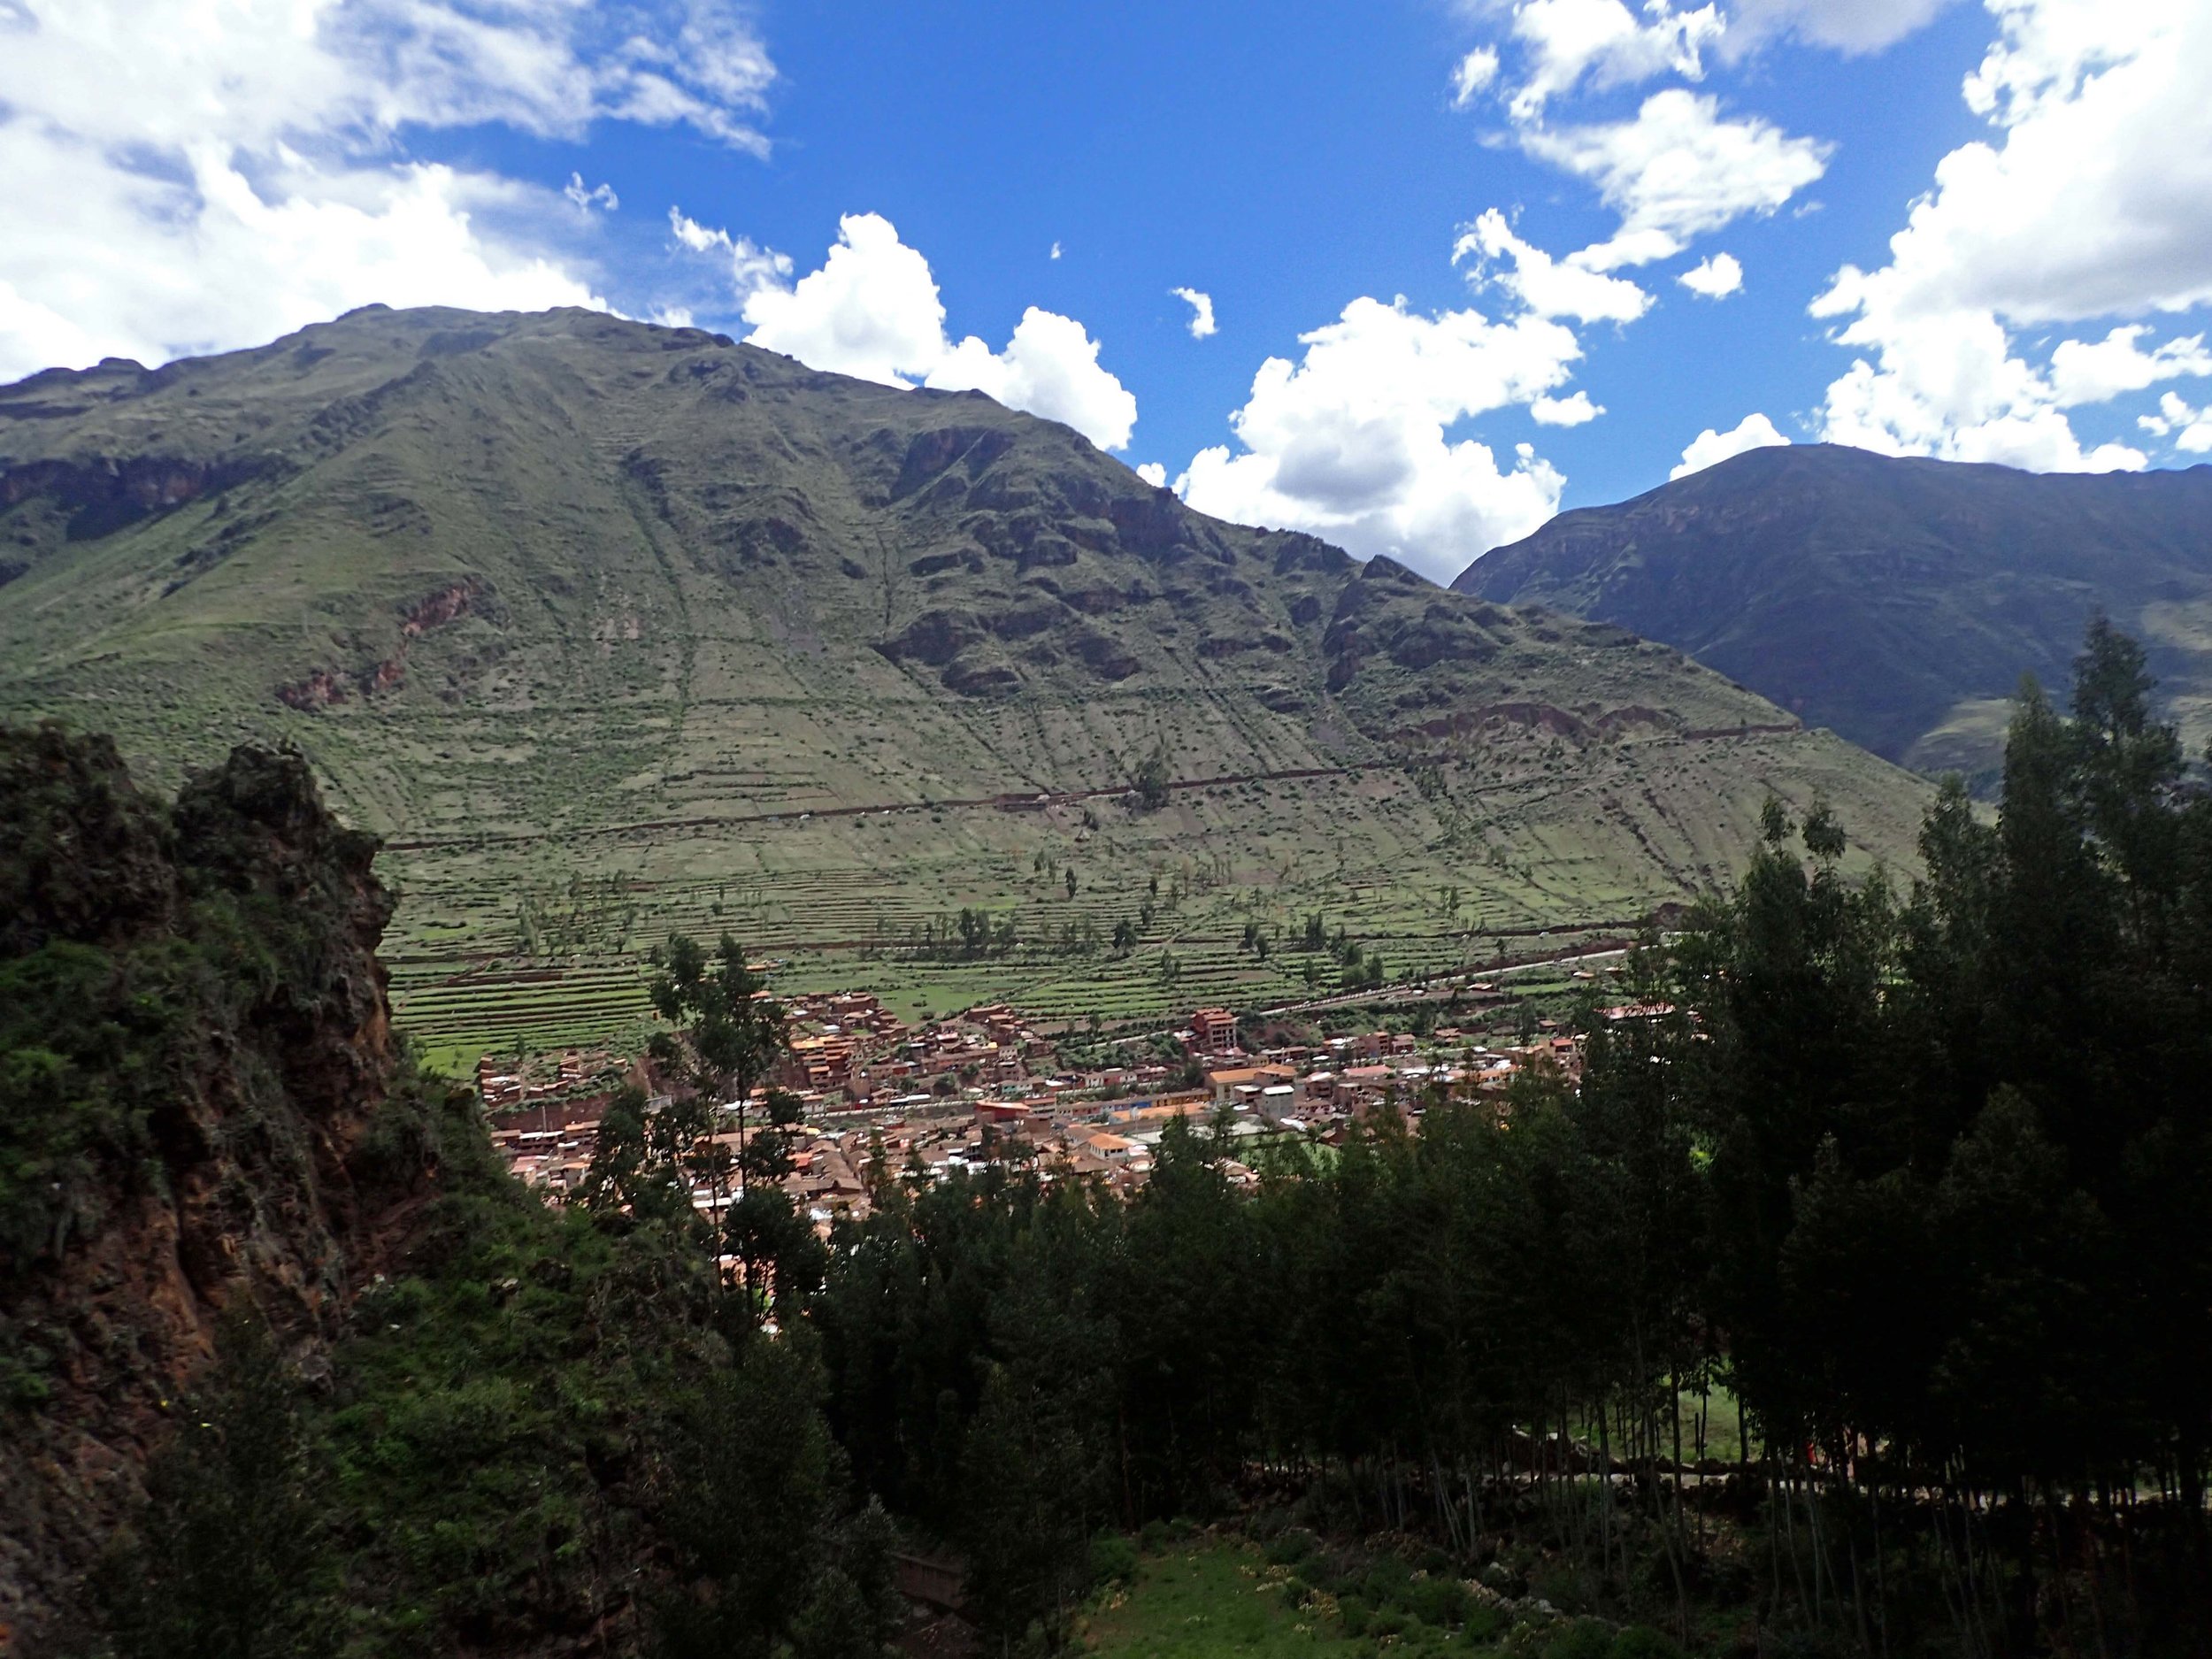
x: 1897, y: 601
x: 530, y: 589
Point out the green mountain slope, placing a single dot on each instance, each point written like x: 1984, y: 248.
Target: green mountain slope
x: 1897, y: 601
x: 612, y: 627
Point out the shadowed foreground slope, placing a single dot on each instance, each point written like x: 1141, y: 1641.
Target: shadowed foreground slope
x: 288, y: 1365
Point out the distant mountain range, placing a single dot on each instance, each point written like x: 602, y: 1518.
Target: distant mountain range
x: 614, y: 627
x: 1897, y: 601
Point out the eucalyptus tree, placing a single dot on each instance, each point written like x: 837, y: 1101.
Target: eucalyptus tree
x: 724, y: 1035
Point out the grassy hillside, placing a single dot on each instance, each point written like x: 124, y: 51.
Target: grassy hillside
x: 1896, y: 601
x: 611, y: 628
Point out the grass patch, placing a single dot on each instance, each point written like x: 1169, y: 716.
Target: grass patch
x: 1723, y: 1425
x: 1208, y: 1598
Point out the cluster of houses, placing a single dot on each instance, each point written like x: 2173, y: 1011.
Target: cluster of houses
x: 849, y: 1049
x: 1321, y: 1090
x: 508, y: 1082
x: 883, y: 1102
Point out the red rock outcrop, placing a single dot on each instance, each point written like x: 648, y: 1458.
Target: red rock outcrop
x: 196, y: 990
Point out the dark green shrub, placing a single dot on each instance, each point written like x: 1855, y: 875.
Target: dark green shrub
x: 1437, y: 1601
x: 1583, y: 1638
x: 1387, y: 1580
x: 1266, y: 1525
x: 23, y: 1365
x: 1640, y: 1641
x: 1564, y: 1584
x: 1293, y: 1548
x: 229, y: 1555
x: 1344, y: 1579
x: 1355, y: 1615
x: 1113, y: 1559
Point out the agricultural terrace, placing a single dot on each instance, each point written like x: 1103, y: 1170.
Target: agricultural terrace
x: 1098, y: 907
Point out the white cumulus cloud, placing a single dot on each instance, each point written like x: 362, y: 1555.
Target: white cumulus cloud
x: 2091, y: 199
x: 1678, y: 169
x: 1849, y: 26
x: 751, y: 268
x: 1714, y: 277
x: 1754, y: 430
x: 2191, y: 429
x: 1565, y: 412
x: 1201, y: 310
x: 1601, y: 41
x: 872, y: 310
x: 214, y: 259
x: 192, y: 178
x: 1353, y: 442
x: 1050, y: 367
x: 2096, y: 372
x: 2098, y: 198
x: 1476, y: 70
x: 1153, y: 474
x: 1546, y: 286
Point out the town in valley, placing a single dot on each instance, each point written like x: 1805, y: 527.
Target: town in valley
x: 880, y: 1099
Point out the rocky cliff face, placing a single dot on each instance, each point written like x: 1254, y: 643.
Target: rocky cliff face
x: 196, y: 1059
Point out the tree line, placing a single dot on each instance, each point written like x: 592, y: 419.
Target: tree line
x: 1914, y: 1175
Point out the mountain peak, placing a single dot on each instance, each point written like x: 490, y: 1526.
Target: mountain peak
x: 1896, y: 600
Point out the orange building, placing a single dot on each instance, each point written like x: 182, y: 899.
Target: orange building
x: 1214, y: 1031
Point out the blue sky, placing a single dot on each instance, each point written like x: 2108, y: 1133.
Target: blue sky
x: 1286, y: 160
x: 1451, y: 229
